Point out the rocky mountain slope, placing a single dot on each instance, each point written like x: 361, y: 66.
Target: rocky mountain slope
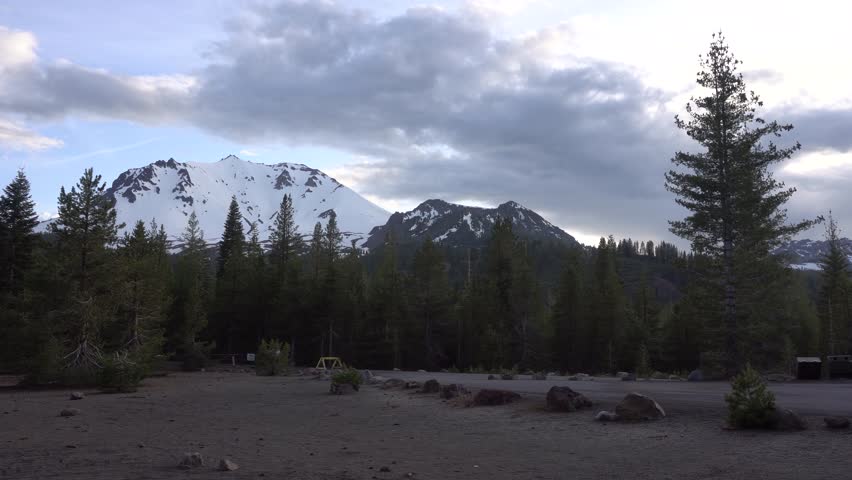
x: 461, y: 225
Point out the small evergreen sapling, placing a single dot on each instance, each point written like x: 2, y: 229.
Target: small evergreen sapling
x: 272, y: 358
x: 750, y: 403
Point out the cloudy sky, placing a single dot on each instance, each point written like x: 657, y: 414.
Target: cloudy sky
x: 564, y: 106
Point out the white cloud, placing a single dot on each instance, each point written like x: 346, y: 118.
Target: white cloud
x: 248, y: 153
x: 16, y: 137
x: 16, y: 47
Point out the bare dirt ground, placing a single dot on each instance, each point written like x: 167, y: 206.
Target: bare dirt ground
x: 291, y: 428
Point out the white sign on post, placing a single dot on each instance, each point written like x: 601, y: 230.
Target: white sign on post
x: 249, y: 357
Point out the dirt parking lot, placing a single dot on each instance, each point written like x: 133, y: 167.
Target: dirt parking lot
x: 291, y: 428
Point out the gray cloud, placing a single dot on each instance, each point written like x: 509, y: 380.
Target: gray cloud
x: 440, y: 105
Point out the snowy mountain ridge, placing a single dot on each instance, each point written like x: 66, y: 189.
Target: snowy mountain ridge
x: 462, y: 225
x: 168, y: 191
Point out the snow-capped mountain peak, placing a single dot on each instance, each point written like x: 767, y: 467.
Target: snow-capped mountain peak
x: 169, y: 191
x: 462, y: 225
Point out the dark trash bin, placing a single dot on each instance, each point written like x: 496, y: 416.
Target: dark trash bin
x: 840, y: 366
x: 808, y: 368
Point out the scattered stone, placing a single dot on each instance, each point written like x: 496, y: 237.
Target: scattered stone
x: 77, y: 395
x: 384, y: 469
x: 675, y: 378
x: 507, y: 376
x: 492, y: 377
x: 637, y: 407
x: 621, y: 375
x: 539, y: 376
x: 395, y: 369
x: 226, y: 465
x: 393, y: 383
x: 488, y: 397
x: 421, y: 371
x: 836, y: 422
x: 453, y: 390
x: 431, y: 386
x: 412, y: 385
x: 552, y: 374
x: 695, y: 376
x: 191, y: 460
x: 779, y: 377
x: 69, y: 412
x: 604, y: 416
x: 659, y: 376
x: 342, y: 388
x: 563, y: 399
x: 366, y: 377
x: 630, y: 377
x: 789, y: 421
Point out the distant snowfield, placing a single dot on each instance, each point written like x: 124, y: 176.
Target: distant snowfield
x: 169, y: 191
x: 806, y: 266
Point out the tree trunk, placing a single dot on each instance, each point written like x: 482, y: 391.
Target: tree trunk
x: 730, y: 312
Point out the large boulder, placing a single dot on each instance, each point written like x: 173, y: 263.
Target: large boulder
x: 637, y: 407
x: 431, y: 386
x: 77, y: 396
x: 788, y: 421
x: 563, y: 399
x: 836, y: 422
x: 393, y: 383
x: 630, y: 377
x: 621, y: 375
x: 453, y: 390
x: 695, y: 376
x: 366, y: 377
x: 487, y: 397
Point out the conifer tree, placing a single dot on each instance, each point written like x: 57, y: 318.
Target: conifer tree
x: 191, y: 288
x: 285, y: 241
x: 835, y: 304
x: 233, y: 237
x: 569, y: 315
x: 430, y: 298
x: 85, y: 229
x: 17, y: 223
x: 736, y: 206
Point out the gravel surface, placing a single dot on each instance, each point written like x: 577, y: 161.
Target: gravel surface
x: 291, y: 428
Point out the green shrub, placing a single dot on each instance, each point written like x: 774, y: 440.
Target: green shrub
x: 46, y: 365
x: 272, y: 358
x: 196, y: 356
x: 750, y: 403
x: 118, y: 373
x: 348, y: 375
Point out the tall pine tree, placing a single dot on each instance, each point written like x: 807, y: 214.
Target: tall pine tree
x: 736, y: 206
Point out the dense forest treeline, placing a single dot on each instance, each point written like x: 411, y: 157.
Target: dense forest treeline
x: 80, y: 293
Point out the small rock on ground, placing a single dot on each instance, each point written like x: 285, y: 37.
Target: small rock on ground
x: 69, y: 412
x: 77, y: 395
x: 836, y: 422
x: 431, y: 386
x: 604, y: 416
x: 789, y: 421
x: 495, y: 397
x: 191, y: 460
x: 226, y: 465
x: 412, y: 385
